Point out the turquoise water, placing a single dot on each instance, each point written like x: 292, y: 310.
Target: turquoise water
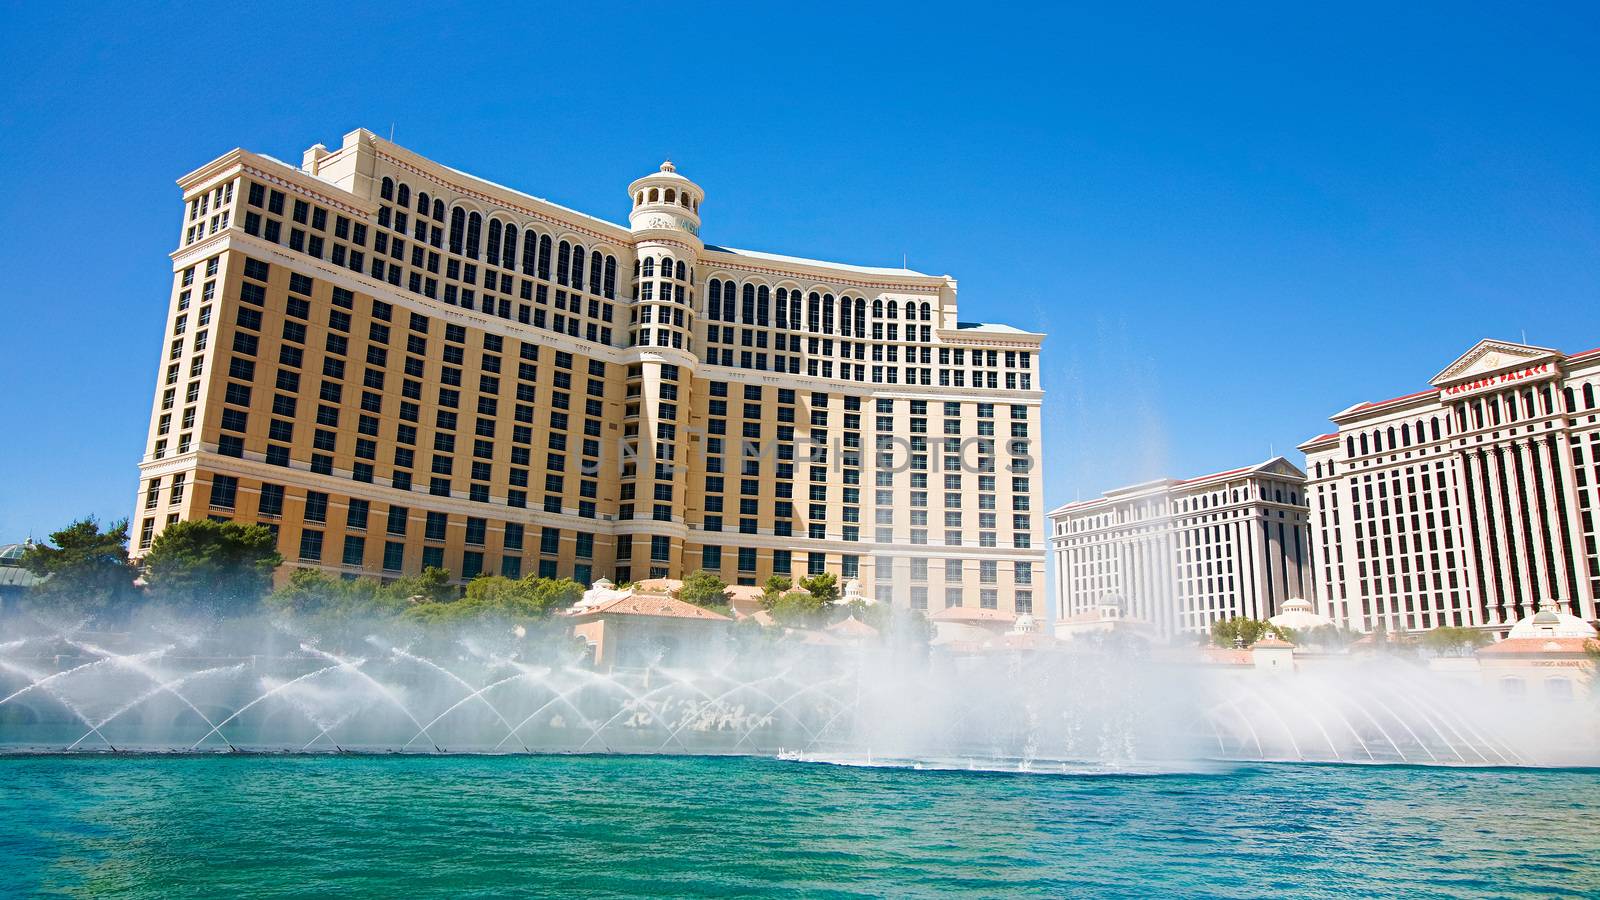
x: 448, y: 826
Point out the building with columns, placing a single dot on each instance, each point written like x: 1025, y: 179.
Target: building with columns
x: 1183, y: 554
x: 394, y: 364
x: 1467, y: 504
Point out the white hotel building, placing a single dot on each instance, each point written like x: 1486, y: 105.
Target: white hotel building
x: 1183, y: 554
x: 1467, y: 504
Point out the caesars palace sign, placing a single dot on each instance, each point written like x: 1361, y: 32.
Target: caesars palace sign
x: 1501, y: 380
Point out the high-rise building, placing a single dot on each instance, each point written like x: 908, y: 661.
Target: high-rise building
x: 1468, y: 504
x: 394, y: 365
x: 1181, y: 555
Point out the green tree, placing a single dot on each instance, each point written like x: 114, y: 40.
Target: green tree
x: 800, y: 609
x: 824, y: 587
x: 1452, y: 641
x: 706, y: 590
x: 312, y: 594
x: 497, y: 598
x: 220, y: 568
x: 86, y: 571
x: 341, y: 610
x: 432, y: 584
x: 1329, y: 637
x: 774, y: 588
x: 1228, y: 631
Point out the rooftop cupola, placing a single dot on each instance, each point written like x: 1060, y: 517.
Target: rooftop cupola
x: 665, y: 201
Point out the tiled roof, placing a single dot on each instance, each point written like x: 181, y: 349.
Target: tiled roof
x: 969, y: 614
x: 1536, y: 646
x: 654, y: 605
x: 852, y: 627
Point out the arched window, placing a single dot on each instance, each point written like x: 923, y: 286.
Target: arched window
x: 611, y: 278
x: 927, y: 312
x: 458, y: 230
x: 596, y: 262
x: 894, y: 310
x: 386, y: 188
x: 671, y: 196
x: 1435, y: 427
x: 563, y: 263
x: 814, y: 312
x: 438, y: 210
x: 1364, y: 447
x: 494, y: 242
x: 1349, y: 446
x: 877, y: 308
x: 827, y: 314
x: 845, y: 308
x: 1405, y: 433
x: 763, y: 301
x: 474, y: 229
x: 530, y: 251
x: 544, y: 256
x: 639, y: 199
x: 861, y: 317
x: 681, y: 271
x: 781, y: 319
x: 577, y: 267
x: 649, y: 268
x: 422, y: 203
x: 749, y: 306
x: 508, y: 257
x: 655, y: 195
x: 402, y: 196
x: 1588, y: 396
x: 714, y: 300
x: 794, y: 309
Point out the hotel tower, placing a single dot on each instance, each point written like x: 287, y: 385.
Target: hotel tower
x: 1180, y: 555
x: 393, y: 364
x: 1471, y: 503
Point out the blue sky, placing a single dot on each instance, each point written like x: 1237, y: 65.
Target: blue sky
x: 1232, y: 221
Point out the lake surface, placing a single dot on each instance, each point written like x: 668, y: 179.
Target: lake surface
x: 449, y: 826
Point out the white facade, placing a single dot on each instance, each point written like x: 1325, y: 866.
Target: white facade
x: 1468, y: 504
x: 1181, y: 555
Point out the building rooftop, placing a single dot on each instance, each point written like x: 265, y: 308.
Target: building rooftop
x: 1537, y: 646
x: 1281, y: 463
x: 970, y: 614
x: 653, y: 605
x: 803, y: 261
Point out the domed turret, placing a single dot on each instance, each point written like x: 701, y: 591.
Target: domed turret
x: 1552, y: 622
x: 665, y: 201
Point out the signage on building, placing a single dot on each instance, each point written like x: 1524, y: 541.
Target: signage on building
x: 1500, y: 380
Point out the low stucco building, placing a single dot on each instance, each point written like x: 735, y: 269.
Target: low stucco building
x: 643, y: 625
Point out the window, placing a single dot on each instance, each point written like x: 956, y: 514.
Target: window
x: 224, y: 491
x: 311, y: 545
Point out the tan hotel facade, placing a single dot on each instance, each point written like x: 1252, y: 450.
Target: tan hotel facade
x: 395, y: 364
x: 1467, y: 504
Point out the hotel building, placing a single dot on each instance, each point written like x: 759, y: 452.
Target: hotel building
x: 1468, y: 504
x: 1181, y: 555
x: 394, y: 364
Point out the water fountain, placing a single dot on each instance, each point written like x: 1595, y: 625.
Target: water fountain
x: 257, y: 687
